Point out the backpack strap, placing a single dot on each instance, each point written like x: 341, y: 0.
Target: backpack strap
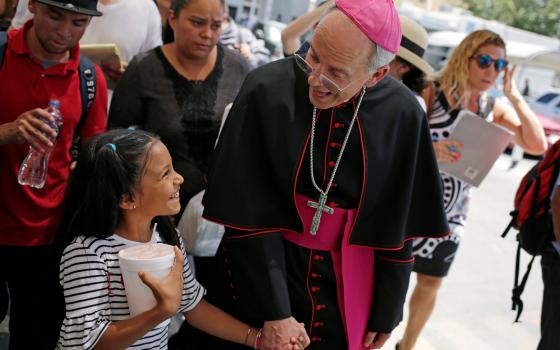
x: 513, y: 214
x: 88, y: 87
x: 3, y: 46
x: 518, y: 288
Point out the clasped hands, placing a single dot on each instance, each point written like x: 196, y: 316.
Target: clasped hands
x: 290, y: 334
x: 285, y: 334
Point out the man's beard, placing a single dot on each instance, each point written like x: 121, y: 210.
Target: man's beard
x: 51, y: 50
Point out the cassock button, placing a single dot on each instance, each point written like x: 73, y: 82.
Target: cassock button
x: 334, y: 144
x: 318, y: 258
x: 315, y: 275
x: 332, y: 164
x: 318, y: 324
x: 315, y: 289
x: 320, y: 307
x: 332, y: 204
x: 338, y: 125
x: 316, y: 339
x: 231, y: 286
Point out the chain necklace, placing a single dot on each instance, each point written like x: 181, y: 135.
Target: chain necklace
x: 320, y: 205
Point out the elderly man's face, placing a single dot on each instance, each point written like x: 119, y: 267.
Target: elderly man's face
x: 341, y: 53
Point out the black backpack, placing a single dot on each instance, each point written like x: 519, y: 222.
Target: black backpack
x: 88, y: 86
x: 531, y: 216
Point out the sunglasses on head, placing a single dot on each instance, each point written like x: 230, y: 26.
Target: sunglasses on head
x: 485, y: 61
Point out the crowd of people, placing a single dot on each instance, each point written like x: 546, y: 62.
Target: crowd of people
x: 324, y: 175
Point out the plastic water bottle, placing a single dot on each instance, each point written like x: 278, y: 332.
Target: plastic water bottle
x: 33, y: 170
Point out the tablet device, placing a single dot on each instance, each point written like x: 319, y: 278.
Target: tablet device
x: 483, y: 142
x: 103, y: 53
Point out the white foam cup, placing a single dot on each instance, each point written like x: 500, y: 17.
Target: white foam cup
x: 155, y: 259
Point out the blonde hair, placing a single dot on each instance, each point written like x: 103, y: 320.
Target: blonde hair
x: 454, y: 77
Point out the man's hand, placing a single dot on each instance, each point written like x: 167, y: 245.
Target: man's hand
x: 374, y: 340
x: 284, y: 334
x: 29, y: 127
x: 113, y: 71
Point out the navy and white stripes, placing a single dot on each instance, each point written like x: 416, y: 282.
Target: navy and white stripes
x: 94, y: 293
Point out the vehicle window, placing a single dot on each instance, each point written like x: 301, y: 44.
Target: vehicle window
x: 558, y: 105
x: 547, y: 97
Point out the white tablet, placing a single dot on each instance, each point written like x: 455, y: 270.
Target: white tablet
x: 483, y: 143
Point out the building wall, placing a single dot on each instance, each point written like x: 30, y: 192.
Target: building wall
x: 241, y: 9
x: 286, y: 10
x: 283, y: 10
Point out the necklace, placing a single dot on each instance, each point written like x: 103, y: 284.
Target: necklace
x: 320, y: 205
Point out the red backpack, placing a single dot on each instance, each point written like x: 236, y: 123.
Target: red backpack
x: 531, y: 216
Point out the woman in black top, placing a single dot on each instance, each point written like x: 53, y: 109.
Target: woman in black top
x: 180, y: 90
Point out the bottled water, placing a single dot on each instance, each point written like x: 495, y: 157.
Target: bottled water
x: 33, y: 170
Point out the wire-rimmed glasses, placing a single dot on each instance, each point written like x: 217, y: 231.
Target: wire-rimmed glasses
x: 325, y: 81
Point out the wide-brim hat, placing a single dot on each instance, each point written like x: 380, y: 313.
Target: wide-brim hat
x: 413, y: 45
x: 84, y: 7
x: 377, y: 19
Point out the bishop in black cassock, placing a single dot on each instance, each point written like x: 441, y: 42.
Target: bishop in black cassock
x: 351, y: 276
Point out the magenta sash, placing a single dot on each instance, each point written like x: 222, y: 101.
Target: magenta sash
x: 353, y: 266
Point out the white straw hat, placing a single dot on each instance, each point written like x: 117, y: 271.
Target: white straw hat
x: 413, y: 45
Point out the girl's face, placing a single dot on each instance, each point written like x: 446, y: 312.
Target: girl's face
x: 157, y: 193
x: 482, y: 79
x: 197, y: 27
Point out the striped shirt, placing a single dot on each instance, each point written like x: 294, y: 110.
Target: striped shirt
x: 95, y: 296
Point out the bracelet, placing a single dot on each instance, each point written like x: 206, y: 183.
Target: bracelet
x: 247, y: 335
x: 257, y: 344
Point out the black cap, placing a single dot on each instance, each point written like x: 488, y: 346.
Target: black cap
x: 84, y: 7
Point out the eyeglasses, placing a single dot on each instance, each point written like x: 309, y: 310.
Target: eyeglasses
x: 484, y: 61
x: 326, y: 82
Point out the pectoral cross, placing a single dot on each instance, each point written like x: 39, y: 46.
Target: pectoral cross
x: 320, y: 207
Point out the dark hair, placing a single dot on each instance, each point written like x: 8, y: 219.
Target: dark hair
x: 414, y: 79
x: 178, y: 5
x: 109, y: 168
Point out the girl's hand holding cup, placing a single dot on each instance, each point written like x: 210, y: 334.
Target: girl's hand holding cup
x: 169, y: 290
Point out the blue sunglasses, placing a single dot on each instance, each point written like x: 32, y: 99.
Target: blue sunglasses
x: 484, y: 61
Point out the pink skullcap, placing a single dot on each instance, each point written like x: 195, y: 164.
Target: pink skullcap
x: 378, y: 19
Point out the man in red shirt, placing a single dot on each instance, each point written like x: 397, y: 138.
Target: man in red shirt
x: 40, y: 64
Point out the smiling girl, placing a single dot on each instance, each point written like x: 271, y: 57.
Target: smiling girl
x: 123, y: 186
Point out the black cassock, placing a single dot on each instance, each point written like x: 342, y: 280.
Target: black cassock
x: 388, y: 174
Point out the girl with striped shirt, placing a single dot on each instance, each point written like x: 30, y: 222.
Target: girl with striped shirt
x: 125, y: 184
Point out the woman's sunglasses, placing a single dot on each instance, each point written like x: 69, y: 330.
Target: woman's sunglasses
x: 484, y: 61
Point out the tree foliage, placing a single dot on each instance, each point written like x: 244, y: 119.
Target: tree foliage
x: 539, y: 16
